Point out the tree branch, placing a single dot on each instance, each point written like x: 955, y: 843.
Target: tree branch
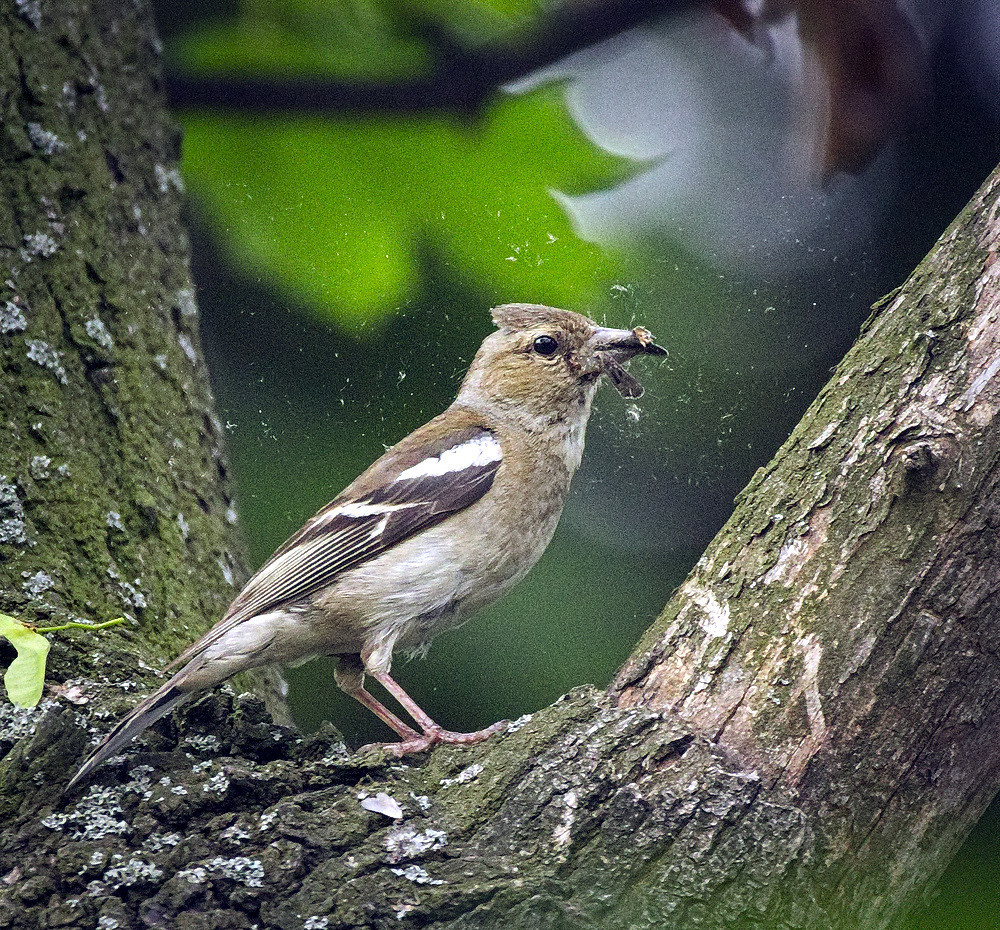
x: 461, y: 79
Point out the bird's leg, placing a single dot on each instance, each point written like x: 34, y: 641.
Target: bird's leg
x: 350, y: 677
x: 433, y: 733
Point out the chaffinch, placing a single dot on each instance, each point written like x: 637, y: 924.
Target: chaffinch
x: 442, y: 524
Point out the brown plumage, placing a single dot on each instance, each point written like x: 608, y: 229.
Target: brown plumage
x: 442, y: 524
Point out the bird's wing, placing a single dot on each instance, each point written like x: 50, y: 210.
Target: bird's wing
x: 413, y: 486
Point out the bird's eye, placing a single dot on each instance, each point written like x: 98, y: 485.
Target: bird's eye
x: 545, y: 345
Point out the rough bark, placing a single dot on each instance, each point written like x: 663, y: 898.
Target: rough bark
x: 112, y: 481
x: 837, y: 636
x: 800, y: 741
x: 113, y: 499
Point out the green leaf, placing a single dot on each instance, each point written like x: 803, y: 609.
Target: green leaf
x: 25, y: 676
x: 344, y: 212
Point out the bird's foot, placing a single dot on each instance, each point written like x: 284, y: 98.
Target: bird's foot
x: 433, y: 735
x: 449, y: 736
x: 401, y: 748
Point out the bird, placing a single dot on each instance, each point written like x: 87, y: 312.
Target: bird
x: 442, y: 524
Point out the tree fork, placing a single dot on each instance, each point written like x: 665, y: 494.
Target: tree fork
x: 801, y: 740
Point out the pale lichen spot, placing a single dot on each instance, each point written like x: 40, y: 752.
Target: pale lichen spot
x: 227, y: 572
x: 194, y: 876
x: 185, y: 296
x: 714, y: 616
x: 168, y: 179
x: 243, y: 869
x: 132, y: 872
x: 38, y: 245
x: 97, y: 331
x: 37, y: 584
x: 188, y: 346
x: 417, y: 874
x: 562, y: 832
x: 45, y: 141
x: 521, y: 721
x: 38, y: 467
x: 31, y: 10
x: 12, y: 318
x: 409, y: 843
x: 43, y: 355
x: 13, y: 526
x: 466, y: 775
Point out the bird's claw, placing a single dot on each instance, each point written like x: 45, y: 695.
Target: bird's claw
x: 432, y: 736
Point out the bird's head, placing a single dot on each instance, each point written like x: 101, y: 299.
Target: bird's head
x: 546, y: 360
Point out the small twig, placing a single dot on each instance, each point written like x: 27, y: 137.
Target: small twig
x: 77, y: 625
x: 461, y: 80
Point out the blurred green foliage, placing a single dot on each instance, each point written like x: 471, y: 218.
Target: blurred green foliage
x: 345, y: 40
x: 349, y: 39
x: 337, y: 211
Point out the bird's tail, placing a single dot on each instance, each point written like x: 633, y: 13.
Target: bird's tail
x: 157, y: 705
x: 236, y: 643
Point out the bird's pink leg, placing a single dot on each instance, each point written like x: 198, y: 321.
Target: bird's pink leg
x: 350, y: 677
x: 384, y: 714
x: 433, y: 733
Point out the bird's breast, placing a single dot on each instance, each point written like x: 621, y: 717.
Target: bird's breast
x: 442, y: 575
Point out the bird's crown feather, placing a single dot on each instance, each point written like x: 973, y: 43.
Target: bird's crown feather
x: 520, y: 317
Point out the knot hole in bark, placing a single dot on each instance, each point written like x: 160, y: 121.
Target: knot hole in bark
x: 920, y: 464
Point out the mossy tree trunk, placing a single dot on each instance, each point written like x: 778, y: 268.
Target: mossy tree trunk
x: 113, y: 498
x: 802, y: 739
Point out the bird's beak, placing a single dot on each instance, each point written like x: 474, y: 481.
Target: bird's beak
x: 613, y: 348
